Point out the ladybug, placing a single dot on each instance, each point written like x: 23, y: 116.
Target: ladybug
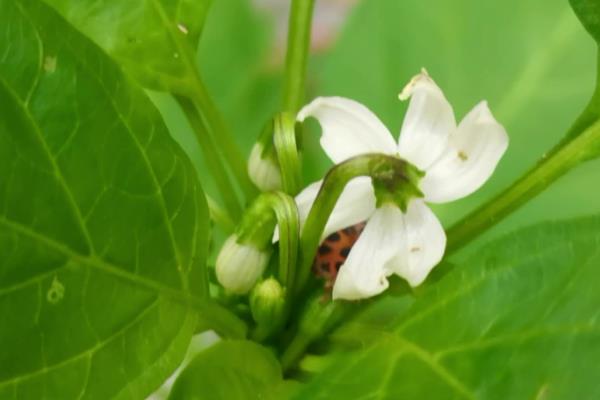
x: 333, y: 253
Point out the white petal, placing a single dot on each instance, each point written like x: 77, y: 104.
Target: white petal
x: 349, y: 128
x: 428, y: 122
x: 355, y: 204
x: 473, y: 152
x: 365, y: 272
x: 264, y: 172
x: 423, y: 245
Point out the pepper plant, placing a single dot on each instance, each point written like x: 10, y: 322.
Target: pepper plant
x: 159, y: 183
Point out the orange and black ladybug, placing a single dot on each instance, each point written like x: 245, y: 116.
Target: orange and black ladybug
x: 333, y: 253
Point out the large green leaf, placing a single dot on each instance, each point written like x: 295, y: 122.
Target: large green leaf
x: 155, y: 40
x: 531, y: 60
x: 233, y: 370
x: 517, y: 320
x: 103, y: 225
x: 588, y: 12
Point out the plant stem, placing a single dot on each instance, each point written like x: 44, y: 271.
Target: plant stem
x: 219, y: 216
x: 211, y: 155
x: 560, y: 160
x: 317, y: 320
x: 284, y: 138
x: 286, y: 212
x: 297, y: 53
x: 215, y: 317
x: 295, y: 350
x: 222, y: 136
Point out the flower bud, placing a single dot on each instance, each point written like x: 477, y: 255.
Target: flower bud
x: 239, y: 266
x: 267, y: 303
x: 263, y: 169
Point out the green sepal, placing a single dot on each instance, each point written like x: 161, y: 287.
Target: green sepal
x: 397, y: 184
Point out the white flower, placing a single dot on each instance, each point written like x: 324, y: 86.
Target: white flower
x: 239, y: 266
x: 456, y: 160
x: 263, y: 172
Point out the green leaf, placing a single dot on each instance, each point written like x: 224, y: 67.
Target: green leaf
x: 517, y: 320
x: 154, y: 40
x: 588, y: 12
x: 233, y: 370
x: 103, y: 225
x: 535, y: 68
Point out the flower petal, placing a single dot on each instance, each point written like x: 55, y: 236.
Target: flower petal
x: 263, y: 172
x: 355, y: 204
x: 423, y: 245
x: 349, y: 128
x: 365, y: 272
x: 428, y: 122
x: 473, y: 152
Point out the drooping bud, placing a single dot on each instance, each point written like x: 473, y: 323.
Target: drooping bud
x: 263, y: 168
x: 267, y: 304
x: 239, y: 266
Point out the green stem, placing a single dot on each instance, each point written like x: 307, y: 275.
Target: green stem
x: 222, y: 136
x: 258, y: 224
x: 317, y: 320
x: 287, y: 218
x: 373, y: 165
x: 215, y: 317
x: 295, y: 350
x: 211, y: 155
x: 219, y: 216
x: 284, y: 138
x: 561, y: 160
x: 257, y: 228
x: 297, y: 53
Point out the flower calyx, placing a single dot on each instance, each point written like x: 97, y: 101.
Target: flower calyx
x: 396, y: 183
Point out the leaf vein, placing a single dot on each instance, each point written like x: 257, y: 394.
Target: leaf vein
x: 87, y: 352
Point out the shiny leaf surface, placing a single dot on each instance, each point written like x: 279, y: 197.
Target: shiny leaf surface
x: 103, y: 225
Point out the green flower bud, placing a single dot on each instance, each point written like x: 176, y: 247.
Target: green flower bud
x: 263, y: 168
x: 239, y: 266
x: 267, y: 303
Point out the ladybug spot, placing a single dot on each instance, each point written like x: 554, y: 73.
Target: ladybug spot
x: 345, y: 251
x: 334, y: 237
x: 324, y: 249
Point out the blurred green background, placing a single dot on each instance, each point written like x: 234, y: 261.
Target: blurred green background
x: 531, y: 60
